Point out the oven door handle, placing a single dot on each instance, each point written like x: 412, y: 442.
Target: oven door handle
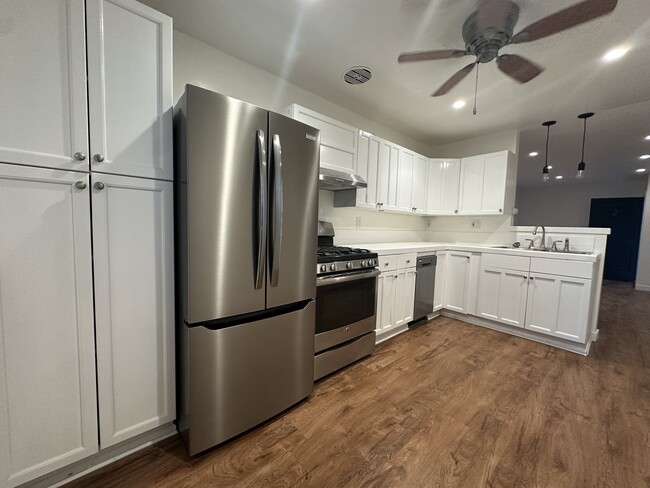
x: 331, y: 280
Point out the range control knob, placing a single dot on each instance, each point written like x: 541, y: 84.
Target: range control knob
x: 348, y: 265
x: 363, y: 264
x: 332, y: 267
x: 323, y: 268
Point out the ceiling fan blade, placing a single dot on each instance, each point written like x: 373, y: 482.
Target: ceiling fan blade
x: 518, y: 67
x: 454, y: 80
x: 431, y: 55
x: 565, y: 19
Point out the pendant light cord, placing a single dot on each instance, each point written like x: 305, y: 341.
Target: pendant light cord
x: 584, y: 136
x: 476, y: 87
x: 548, y: 133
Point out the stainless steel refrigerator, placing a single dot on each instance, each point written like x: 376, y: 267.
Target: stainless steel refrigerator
x: 246, y: 210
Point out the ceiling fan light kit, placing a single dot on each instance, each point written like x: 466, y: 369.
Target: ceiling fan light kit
x: 545, y: 171
x: 491, y: 27
x: 581, y: 164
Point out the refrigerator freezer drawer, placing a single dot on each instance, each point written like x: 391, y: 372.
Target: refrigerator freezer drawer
x: 237, y: 377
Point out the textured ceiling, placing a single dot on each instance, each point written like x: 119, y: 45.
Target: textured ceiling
x: 311, y: 43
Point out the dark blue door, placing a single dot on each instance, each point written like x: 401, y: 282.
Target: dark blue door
x: 623, y: 216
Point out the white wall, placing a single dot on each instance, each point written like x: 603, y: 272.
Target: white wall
x: 500, y: 141
x: 568, y: 205
x: 200, y: 64
x: 643, y: 266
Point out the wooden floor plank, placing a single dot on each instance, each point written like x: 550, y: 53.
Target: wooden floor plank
x: 447, y: 404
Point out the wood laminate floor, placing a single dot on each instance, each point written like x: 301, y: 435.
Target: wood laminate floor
x: 447, y: 404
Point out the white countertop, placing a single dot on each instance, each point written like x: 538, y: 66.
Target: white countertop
x: 385, y: 248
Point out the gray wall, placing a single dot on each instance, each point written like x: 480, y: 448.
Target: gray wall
x: 568, y: 205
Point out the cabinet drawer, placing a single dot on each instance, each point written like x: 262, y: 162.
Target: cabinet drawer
x: 504, y: 261
x: 406, y: 260
x: 578, y: 269
x: 387, y: 263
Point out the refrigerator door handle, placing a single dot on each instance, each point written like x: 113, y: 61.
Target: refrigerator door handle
x: 260, y: 193
x: 277, y: 207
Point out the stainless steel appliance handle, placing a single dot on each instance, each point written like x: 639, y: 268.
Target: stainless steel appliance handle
x: 276, y: 229
x: 261, y: 210
x: 331, y: 280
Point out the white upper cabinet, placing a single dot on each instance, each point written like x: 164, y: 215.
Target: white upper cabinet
x: 130, y: 89
x: 44, y: 118
x: 48, y: 409
x: 442, y: 186
x: 387, y: 170
x: 367, y: 168
x: 405, y: 180
x: 338, y: 141
x: 419, y: 192
x: 128, y: 97
x: 488, y: 184
x: 134, y: 300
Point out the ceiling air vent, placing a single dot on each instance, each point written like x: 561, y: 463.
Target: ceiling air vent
x: 357, y: 75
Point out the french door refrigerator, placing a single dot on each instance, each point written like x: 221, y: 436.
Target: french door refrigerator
x: 246, y: 209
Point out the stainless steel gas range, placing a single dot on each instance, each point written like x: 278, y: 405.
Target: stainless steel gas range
x: 346, y: 303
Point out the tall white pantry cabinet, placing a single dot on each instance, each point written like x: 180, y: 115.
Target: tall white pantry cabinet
x: 86, y: 304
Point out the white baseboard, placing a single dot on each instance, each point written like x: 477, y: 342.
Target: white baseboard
x: 389, y: 334
x: 595, y: 335
x: 103, y: 458
x: 642, y: 287
x: 575, y: 347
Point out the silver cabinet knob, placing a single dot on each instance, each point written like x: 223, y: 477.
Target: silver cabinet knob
x: 98, y: 157
x: 80, y: 185
x: 455, y: 211
x: 99, y: 185
x: 348, y: 265
x: 79, y: 156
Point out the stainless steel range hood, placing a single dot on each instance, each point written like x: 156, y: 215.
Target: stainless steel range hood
x: 329, y: 179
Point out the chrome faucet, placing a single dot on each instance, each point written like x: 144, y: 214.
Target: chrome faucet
x: 543, y: 246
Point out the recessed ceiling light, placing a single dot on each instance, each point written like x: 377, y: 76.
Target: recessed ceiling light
x: 616, y: 53
x: 550, y: 167
x: 458, y: 104
x: 645, y: 156
x: 533, y: 154
x: 647, y: 138
x: 559, y: 177
x: 640, y: 170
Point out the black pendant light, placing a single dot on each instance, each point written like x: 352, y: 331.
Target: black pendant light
x: 581, y: 164
x: 545, y: 173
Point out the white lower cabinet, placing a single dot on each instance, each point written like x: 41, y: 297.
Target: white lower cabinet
x: 134, y: 294
x: 502, y: 295
x: 457, y: 281
x: 395, y: 297
x: 48, y: 405
x: 439, y: 290
x: 64, y: 374
x: 558, y: 306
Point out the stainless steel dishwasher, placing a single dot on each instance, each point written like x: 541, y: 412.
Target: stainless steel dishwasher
x: 424, y: 286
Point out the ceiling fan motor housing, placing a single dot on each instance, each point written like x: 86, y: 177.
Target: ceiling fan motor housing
x: 487, y: 31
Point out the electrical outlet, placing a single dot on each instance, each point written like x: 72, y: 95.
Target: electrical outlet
x: 428, y: 222
x: 476, y: 224
x: 358, y: 222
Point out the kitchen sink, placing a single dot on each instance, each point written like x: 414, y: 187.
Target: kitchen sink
x: 561, y: 251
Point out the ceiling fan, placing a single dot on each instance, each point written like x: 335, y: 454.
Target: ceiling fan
x: 491, y: 27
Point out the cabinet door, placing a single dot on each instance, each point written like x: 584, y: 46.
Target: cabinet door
x: 439, y: 290
x: 399, y: 298
x: 134, y: 294
x: 48, y: 405
x: 494, y: 183
x: 405, y: 180
x: 457, y: 281
x: 419, y: 190
x: 130, y: 89
x: 434, y: 187
x: 409, y: 294
x: 44, y: 118
x: 385, y: 301
x: 391, y: 202
x: 558, y: 306
x: 502, y: 295
x: 471, y: 185
x: 450, y: 187
x: 383, y: 173
x: 367, y: 161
